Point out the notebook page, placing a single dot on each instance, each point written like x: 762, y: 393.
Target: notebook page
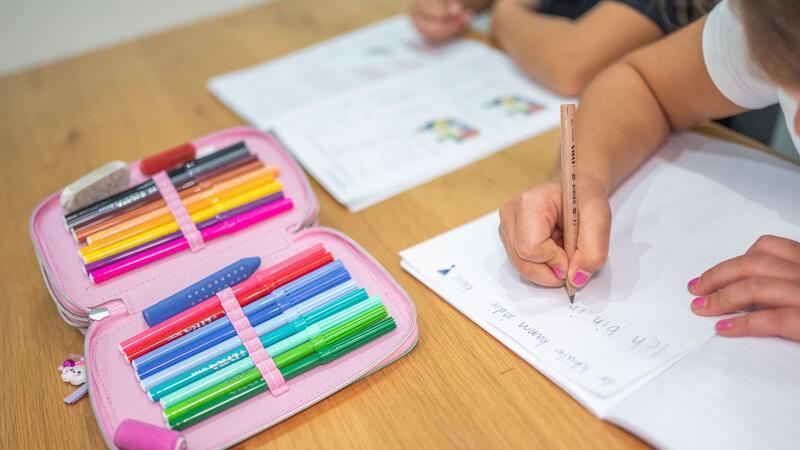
x: 732, y: 394
x: 603, y: 347
x: 634, y: 316
x: 596, y: 404
x: 386, y: 49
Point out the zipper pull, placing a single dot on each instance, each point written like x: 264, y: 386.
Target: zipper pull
x: 99, y: 313
x: 113, y: 307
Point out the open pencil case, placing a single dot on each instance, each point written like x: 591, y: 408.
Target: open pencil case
x: 110, y: 312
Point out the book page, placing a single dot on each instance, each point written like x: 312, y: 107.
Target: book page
x: 379, y: 110
x: 685, y: 210
x: 406, y: 130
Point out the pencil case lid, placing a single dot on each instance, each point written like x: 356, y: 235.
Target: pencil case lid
x: 79, y: 301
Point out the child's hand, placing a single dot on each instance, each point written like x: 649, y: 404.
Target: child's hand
x: 767, y: 277
x: 439, y: 20
x: 527, y: 4
x: 530, y: 228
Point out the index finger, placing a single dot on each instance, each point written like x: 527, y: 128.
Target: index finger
x: 540, y: 274
x: 534, y: 221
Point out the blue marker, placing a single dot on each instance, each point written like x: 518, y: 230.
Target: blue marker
x: 202, y: 290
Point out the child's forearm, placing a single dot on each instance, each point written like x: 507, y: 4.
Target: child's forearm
x: 564, y: 54
x: 628, y: 110
x: 619, y: 124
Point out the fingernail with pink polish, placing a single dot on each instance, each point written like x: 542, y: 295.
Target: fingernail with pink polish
x: 694, y: 282
x: 723, y: 325
x: 559, y: 272
x: 699, y: 302
x: 579, y: 278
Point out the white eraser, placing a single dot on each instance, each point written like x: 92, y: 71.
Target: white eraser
x: 97, y: 185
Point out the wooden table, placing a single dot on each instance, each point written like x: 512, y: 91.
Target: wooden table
x: 458, y: 389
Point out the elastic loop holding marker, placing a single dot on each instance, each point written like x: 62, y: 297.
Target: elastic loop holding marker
x: 258, y: 354
x: 178, y: 210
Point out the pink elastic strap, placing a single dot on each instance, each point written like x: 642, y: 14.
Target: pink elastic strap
x: 274, y: 378
x: 178, y: 210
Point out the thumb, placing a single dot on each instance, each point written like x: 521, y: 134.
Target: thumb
x: 594, y: 228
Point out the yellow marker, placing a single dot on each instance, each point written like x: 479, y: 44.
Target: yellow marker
x: 162, y: 216
x: 91, y: 253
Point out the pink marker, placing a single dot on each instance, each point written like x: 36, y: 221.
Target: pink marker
x: 227, y: 226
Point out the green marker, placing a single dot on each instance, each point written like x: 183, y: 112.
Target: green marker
x: 323, y: 340
x: 256, y: 385
x: 278, y: 348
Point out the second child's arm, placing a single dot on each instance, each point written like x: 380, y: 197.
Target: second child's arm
x: 565, y: 54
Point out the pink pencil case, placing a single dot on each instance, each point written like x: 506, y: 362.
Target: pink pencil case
x: 111, y: 311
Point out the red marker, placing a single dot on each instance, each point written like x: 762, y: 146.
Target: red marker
x: 174, y: 157
x: 258, y: 285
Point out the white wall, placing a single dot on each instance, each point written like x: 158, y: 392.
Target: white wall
x: 33, y: 32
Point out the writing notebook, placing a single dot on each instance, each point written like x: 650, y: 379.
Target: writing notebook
x: 378, y: 111
x: 630, y: 349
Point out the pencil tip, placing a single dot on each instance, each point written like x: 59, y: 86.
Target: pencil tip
x: 571, y: 299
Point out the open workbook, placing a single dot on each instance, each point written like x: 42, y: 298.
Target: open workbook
x: 629, y: 348
x: 377, y: 111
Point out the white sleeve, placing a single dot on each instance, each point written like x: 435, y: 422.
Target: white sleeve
x: 729, y: 63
